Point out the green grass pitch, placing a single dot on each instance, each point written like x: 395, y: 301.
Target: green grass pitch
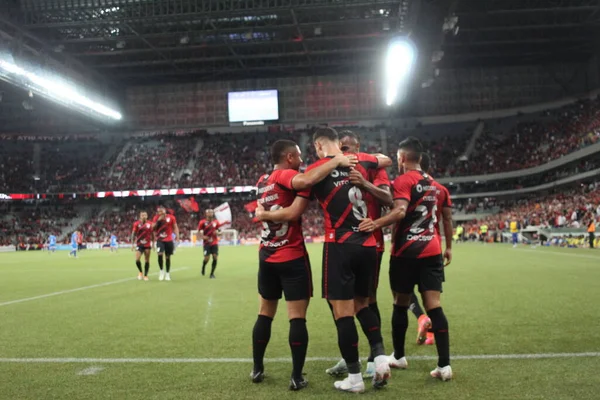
x: 499, y: 301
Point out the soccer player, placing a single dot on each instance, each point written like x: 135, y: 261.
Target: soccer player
x: 208, y: 229
x: 142, y: 236
x: 349, y: 257
x: 377, y: 195
x: 52, y: 243
x: 443, y: 213
x: 514, y: 230
x: 284, y: 265
x: 164, y: 226
x: 416, y: 254
x: 113, y: 243
x: 74, y: 244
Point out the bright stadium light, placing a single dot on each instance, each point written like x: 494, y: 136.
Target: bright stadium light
x: 399, y: 62
x: 55, y: 89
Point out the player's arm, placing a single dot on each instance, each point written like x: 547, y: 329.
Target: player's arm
x: 291, y: 213
x: 383, y: 161
x: 395, y: 215
x: 381, y: 193
x: 315, y: 175
x: 176, y: 230
x: 133, y: 239
x: 447, y: 221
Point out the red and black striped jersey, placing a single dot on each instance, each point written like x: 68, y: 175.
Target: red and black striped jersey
x: 210, y: 229
x: 344, y: 205
x: 164, y: 227
x: 143, y: 233
x: 416, y: 236
x: 377, y: 177
x: 280, y: 242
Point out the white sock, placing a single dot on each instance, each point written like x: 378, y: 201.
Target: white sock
x: 355, y: 378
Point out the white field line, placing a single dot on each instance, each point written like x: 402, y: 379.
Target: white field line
x: 79, y: 289
x: 90, y: 371
x: 534, y: 356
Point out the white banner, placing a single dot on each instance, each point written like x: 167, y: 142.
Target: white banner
x: 223, y: 214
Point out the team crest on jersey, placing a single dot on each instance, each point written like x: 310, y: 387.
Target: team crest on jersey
x: 168, y: 219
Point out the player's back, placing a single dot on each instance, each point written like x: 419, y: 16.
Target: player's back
x: 281, y: 241
x: 344, y: 204
x: 415, y: 236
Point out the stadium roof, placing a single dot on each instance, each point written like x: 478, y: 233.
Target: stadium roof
x: 159, y: 41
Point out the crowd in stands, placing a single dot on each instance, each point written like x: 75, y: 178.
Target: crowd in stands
x: 199, y: 159
x: 32, y: 224
x: 534, y: 141
x: 155, y: 162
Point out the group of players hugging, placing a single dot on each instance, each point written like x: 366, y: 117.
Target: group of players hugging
x: 352, y: 188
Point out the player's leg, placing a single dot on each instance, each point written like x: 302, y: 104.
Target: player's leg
x: 206, y: 258
x: 138, y: 263
x: 423, y: 321
x: 146, y: 263
x: 296, y: 281
x: 160, y: 251
x: 338, y: 289
x: 169, y: 248
x: 430, y: 286
x: 364, y: 266
x: 214, y: 250
x: 370, y: 371
x: 269, y: 289
x: 402, y: 281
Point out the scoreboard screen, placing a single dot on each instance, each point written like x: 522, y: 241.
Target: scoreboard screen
x: 253, y: 106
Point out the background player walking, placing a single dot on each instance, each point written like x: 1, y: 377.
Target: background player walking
x: 164, y: 227
x: 208, y: 229
x: 142, y: 236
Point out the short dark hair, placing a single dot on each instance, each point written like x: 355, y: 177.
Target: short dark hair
x: 413, y: 148
x: 348, y: 133
x: 425, y: 162
x: 280, y: 148
x: 327, y: 133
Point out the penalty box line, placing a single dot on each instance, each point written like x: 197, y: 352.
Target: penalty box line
x: 68, y: 360
x: 79, y: 289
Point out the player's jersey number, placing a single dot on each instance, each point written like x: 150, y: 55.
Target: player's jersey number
x: 416, y: 228
x: 359, y: 207
x: 278, y: 229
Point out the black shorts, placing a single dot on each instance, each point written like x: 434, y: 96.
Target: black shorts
x: 165, y: 247
x: 211, y: 249
x: 142, y: 247
x: 427, y: 273
x: 348, y: 270
x: 293, y: 278
x: 376, y: 274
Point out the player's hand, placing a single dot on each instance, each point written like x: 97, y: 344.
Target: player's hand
x: 346, y: 160
x: 259, y: 212
x: 447, y: 257
x: 357, y: 179
x: 367, y: 225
